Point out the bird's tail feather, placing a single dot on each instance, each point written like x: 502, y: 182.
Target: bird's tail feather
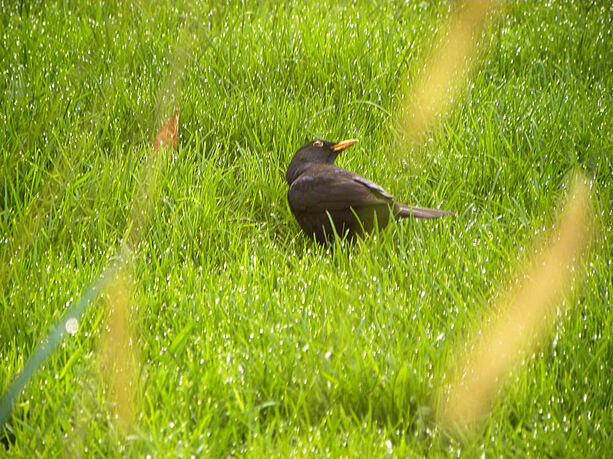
x: 406, y: 211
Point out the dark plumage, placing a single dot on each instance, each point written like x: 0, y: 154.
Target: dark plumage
x: 321, y: 194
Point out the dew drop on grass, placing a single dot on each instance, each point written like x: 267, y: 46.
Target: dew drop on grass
x: 72, y: 326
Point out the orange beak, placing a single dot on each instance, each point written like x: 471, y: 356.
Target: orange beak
x: 344, y: 144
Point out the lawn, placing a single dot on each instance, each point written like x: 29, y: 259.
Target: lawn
x: 245, y: 337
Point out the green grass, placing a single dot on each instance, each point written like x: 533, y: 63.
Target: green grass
x: 252, y: 339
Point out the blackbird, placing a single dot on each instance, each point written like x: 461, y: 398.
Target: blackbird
x: 326, y: 199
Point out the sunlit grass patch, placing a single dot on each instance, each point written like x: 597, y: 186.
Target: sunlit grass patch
x: 250, y: 339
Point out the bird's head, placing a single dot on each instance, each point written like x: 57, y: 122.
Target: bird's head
x: 315, y: 152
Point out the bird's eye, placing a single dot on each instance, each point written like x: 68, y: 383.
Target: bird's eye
x: 318, y: 143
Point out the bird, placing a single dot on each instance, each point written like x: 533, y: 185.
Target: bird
x: 328, y: 200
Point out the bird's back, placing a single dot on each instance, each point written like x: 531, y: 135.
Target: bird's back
x: 326, y: 196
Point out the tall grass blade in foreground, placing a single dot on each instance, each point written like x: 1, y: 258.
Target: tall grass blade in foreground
x: 119, y: 358
x: 525, y: 315
x: 68, y: 324
x: 445, y: 70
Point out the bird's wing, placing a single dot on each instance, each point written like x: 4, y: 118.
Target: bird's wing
x: 373, y: 187
x: 335, y: 191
